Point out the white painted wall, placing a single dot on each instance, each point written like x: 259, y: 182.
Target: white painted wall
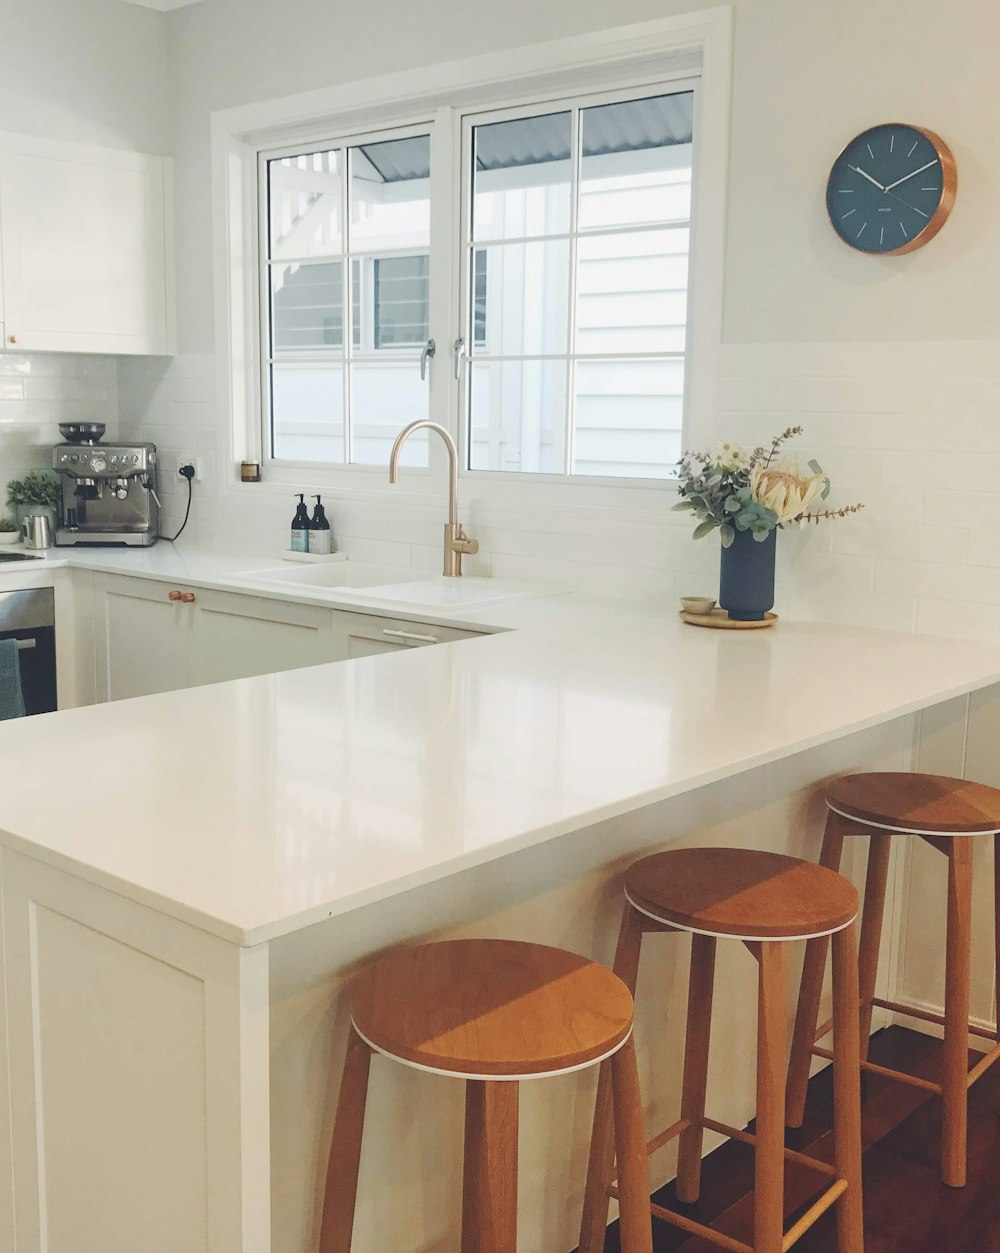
x: 86, y: 71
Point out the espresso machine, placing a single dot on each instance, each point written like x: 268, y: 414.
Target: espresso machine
x: 108, y: 490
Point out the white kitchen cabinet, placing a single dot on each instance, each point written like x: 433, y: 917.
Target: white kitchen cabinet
x: 86, y: 248
x: 142, y: 638
x: 235, y: 637
x: 152, y: 636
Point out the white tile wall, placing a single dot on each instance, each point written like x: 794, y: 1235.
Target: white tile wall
x: 910, y: 429
x: 40, y: 390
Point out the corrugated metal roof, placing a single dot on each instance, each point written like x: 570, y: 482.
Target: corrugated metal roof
x: 632, y: 125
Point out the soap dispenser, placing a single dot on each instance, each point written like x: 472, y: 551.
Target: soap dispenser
x: 320, y: 535
x: 300, y: 526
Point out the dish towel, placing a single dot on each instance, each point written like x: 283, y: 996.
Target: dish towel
x: 11, y: 696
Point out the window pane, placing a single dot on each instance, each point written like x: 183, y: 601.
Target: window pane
x: 635, y: 165
x: 518, y: 415
x: 386, y: 395
x: 628, y: 418
x: 521, y: 180
x: 525, y: 298
x: 304, y: 207
x: 390, y: 194
x: 632, y: 292
x: 401, y: 301
x: 307, y: 404
x: 306, y: 313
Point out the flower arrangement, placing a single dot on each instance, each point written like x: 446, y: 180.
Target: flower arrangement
x: 7, y: 525
x: 732, y: 490
x: 34, y: 489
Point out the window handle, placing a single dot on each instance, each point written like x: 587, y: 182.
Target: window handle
x: 429, y: 349
x: 458, y: 349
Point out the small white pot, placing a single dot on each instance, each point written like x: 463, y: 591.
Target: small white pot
x: 9, y: 537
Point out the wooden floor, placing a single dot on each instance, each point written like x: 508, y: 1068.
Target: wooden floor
x: 907, y: 1208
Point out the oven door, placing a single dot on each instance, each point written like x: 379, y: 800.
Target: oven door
x: 29, y: 618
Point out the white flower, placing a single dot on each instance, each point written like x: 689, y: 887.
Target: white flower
x: 730, y: 457
x: 782, y: 488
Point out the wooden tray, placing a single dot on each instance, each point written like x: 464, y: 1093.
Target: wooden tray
x: 721, y: 621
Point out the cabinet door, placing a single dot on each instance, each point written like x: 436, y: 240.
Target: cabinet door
x: 85, y: 248
x: 239, y: 636
x: 367, y: 635
x: 142, y: 638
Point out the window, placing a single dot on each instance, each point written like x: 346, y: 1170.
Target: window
x: 567, y: 309
x: 347, y: 230
x: 577, y: 256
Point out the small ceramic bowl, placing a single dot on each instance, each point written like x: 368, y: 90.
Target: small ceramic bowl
x: 697, y: 604
x: 9, y: 537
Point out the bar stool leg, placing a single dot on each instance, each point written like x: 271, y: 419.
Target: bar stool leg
x: 847, y: 1091
x: 635, y: 1219
x: 872, y: 917
x: 695, y: 1081
x: 600, y: 1168
x: 954, y: 1084
x: 811, y: 990
x: 771, y: 1038
x: 489, y: 1186
x: 345, y: 1150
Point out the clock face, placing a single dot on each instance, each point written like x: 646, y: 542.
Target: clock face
x: 891, y: 189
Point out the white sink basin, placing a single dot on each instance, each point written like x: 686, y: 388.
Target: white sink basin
x: 334, y: 574
x: 443, y: 594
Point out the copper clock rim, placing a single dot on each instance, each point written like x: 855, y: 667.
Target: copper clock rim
x: 949, y: 189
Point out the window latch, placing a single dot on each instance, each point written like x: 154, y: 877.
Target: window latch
x: 428, y: 350
x: 458, y: 350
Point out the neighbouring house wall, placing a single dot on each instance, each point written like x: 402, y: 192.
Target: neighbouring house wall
x: 84, y: 71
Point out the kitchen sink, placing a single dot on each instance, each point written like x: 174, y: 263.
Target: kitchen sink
x: 335, y: 574
x: 396, y: 586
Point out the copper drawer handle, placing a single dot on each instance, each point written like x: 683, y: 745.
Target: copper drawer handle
x: 187, y: 598
x: 176, y: 596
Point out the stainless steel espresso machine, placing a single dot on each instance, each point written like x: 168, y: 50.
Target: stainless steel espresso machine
x: 108, y: 490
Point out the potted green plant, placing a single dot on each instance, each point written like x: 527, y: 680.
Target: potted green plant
x: 36, y: 492
x: 10, y: 532
x: 747, y: 497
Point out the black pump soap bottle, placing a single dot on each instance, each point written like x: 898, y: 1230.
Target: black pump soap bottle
x: 300, y: 526
x: 320, y: 535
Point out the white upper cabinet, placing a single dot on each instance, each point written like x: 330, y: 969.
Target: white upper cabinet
x: 86, y: 248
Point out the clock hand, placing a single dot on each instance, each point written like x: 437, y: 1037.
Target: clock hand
x: 858, y: 170
x: 913, y: 175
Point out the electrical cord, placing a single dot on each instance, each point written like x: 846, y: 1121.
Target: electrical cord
x: 186, y: 472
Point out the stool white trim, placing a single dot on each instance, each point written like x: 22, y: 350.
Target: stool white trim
x: 730, y: 935
x: 462, y: 1074
x: 884, y: 826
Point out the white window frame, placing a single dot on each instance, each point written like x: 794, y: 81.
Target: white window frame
x: 574, y: 105
x: 638, y: 56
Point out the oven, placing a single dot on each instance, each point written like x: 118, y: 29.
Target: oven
x: 29, y: 618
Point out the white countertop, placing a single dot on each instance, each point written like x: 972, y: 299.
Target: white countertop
x: 255, y: 808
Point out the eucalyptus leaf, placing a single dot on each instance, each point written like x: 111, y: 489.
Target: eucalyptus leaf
x: 705, y: 528
x: 732, y: 504
x: 815, y: 466
x: 681, y: 504
x: 728, y: 535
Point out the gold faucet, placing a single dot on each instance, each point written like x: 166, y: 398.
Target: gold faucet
x: 456, y: 542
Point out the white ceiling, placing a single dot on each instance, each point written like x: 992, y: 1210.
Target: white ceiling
x: 163, y: 6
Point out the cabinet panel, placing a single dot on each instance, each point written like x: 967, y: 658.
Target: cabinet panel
x: 239, y: 636
x: 84, y: 234
x: 143, y: 638
x: 368, y: 636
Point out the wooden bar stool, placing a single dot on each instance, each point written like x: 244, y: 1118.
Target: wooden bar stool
x: 765, y: 900
x: 489, y: 1012
x: 948, y: 814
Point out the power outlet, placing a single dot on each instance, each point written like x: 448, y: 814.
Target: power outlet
x: 185, y: 460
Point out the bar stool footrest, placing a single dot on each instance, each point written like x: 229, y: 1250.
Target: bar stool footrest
x: 818, y: 1208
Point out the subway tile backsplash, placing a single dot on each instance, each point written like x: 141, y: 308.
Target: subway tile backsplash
x: 912, y: 430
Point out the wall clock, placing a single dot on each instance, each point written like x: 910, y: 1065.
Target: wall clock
x: 891, y: 189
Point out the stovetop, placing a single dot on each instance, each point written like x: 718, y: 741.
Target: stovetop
x: 18, y: 557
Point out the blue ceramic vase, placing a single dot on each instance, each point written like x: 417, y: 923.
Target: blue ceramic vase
x: 746, y: 577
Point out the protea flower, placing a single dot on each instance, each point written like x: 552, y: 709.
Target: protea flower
x: 785, y: 490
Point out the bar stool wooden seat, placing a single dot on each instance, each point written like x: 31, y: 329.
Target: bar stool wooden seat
x: 765, y: 900
x: 948, y: 814
x: 492, y: 1013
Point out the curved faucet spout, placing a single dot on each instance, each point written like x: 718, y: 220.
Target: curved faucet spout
x: 456, y: 542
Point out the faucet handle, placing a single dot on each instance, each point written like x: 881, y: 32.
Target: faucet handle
x: 463, y: 543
